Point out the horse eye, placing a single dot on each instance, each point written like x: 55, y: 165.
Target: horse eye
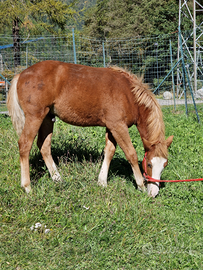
x: 149, y: 165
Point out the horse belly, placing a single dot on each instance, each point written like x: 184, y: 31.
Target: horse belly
x: 80, y: 113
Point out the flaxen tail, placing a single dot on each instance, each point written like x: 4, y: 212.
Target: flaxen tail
x: 15, y: 111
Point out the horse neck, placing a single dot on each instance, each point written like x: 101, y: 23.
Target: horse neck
x: 150, y: 125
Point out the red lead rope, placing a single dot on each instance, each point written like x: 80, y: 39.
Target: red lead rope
x: 150, y: 179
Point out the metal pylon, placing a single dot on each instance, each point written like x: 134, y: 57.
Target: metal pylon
x: 192, y: 44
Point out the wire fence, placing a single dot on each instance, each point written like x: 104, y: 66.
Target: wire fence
x: 150, y: 57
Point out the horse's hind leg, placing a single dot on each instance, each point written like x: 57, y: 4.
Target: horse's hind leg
x: 121, y: 135
x: 25, y: 142
x: 44, y: 144
x: 108, y: 155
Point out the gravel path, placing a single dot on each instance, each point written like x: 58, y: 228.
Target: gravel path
x: 169, y: 102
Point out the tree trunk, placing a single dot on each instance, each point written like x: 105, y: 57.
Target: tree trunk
x: 16, y: 42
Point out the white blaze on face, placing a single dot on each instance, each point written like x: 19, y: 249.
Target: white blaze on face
x: 157, y: 168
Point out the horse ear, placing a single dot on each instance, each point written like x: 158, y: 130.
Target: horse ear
x: 147, y: 144
x: 169, y: 140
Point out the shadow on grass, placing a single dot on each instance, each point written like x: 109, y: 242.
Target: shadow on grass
x: 78, y: 153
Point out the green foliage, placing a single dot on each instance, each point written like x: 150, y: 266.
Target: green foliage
x: 95, y: 228
x: 36, y: 17
x: 122, y: 19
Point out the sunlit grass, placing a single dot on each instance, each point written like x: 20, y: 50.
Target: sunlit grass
x: 95, y: 228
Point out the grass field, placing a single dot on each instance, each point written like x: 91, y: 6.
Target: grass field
x: 95, y: 228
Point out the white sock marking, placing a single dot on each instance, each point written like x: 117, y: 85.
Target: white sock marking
x: 103, y: 174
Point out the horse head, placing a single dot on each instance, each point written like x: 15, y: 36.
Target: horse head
x: 155, y: 160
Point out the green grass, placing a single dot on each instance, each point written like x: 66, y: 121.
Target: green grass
x: 95, y: 228
x: 3, y: 108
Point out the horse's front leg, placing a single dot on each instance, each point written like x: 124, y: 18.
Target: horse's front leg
x: 109, y: 151
x: 121, y: 135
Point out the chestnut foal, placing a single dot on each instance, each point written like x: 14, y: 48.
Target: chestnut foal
x: 87, y: 96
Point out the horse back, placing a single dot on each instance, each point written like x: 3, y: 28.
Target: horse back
x: 79, y: 95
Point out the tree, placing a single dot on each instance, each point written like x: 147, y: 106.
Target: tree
x: 128, y: 18
x: 33, y: 17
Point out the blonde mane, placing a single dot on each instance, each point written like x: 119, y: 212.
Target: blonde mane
x: 154, y: 122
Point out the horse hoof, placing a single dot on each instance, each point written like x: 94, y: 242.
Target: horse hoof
x: 27, y: 189
x: 102, y: 184
x: 142, y: 188
x: 56, y: 177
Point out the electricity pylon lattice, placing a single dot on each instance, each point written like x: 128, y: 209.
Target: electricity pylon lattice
x: 192, y: 43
